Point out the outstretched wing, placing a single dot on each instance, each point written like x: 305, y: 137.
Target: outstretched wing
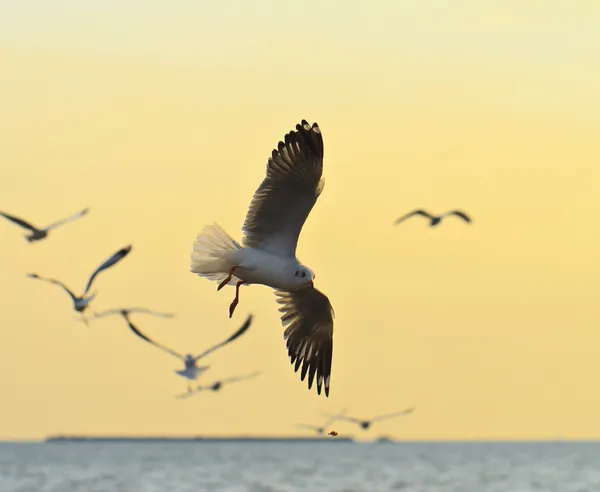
x: 133, y: 328
x: 56, y: 282
x: 68, y: 219
x: 187, y: 394
x: 311, y: 427
x: 237, y: 334
x: 391, y: 415
x: 18, y: 221
x: 308, y: 316
x: 286, y: 196
x: 461, y: 214
x: 347, y: 419
x: 333, y: 418
x: 118, y: 256
x: 411, y: 214
x: 240, y: 378
x: 108, y: 312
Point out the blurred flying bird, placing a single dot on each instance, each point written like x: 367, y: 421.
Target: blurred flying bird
x: 435, y: 219
x: 365, y: 424
x: 81, y: 303
x: 321, y: 430
x: 191, y: 371
x: 217, y: 385
x: 37, y: 234
x: 274, y: 221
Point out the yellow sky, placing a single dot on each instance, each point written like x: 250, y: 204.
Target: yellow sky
x: 161, y: 120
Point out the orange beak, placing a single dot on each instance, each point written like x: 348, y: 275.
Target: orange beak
x: 310, y: 282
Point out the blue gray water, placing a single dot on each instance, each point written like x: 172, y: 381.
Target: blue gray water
x: 311, y: 467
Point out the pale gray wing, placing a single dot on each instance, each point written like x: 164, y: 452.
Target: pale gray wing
x: 20, y: 222
x: 308, y: 316
x: 109, y: 312
x: 115, y: 258
x: 187, y: 394
x: 333, y: 418
x: 286, y: 196
x: 413, y: 213
x: 68, y: 219
x: 391, y: 415
x: 307, y: 426
x: 135, y: 330
x: 55, y: 282
x: 240, y: 378
x: 348, y: 419
x: 460, y: 214
x: 237, y: 334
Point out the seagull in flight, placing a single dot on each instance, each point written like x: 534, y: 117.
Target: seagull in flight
x: 81, y: 303
x: 321, y: 430
x: 191, y: 370
x: 37, y: 233
x: 274, y: 221
x: 435, y: 219
x: 365, y: 424
x: 217, y: 385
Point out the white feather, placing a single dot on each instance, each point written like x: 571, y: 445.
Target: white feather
x: 214, y: 254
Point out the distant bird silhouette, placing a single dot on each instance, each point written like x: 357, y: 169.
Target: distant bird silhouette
x: 37, y: 233
x: 81, y: 303
x: 321, y: 429
x: 191, y: 370
x: 365, y: 424
x: 435, y: 219
x: 217, y: 385
x: 126, y: 311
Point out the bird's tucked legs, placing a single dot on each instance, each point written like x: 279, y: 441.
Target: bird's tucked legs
x: 85, y: 320
x: 234, y: 303
x: 229, y: 277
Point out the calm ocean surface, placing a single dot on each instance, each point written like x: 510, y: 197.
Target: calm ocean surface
x: 313, y: 467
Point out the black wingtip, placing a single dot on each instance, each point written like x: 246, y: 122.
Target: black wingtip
x: 32, y: 275
x: 304, y: 124
x: 248, y: 321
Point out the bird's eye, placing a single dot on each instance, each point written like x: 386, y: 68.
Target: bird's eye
x: 303, y: 274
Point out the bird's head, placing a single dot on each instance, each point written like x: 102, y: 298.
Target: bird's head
x: 303, y: 276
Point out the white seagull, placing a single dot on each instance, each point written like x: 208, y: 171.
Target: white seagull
x: 191, y: 370
x: 365, y: 424
x: 217, y: 385
x: 275, y: 218
x: 37, y: 233
x: 81, y: 303
x: 434, y: 219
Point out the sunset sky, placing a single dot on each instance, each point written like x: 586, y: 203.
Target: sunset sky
x: 160, y: 117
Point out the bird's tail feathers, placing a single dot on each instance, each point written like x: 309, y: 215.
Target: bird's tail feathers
x: 214, y: 254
